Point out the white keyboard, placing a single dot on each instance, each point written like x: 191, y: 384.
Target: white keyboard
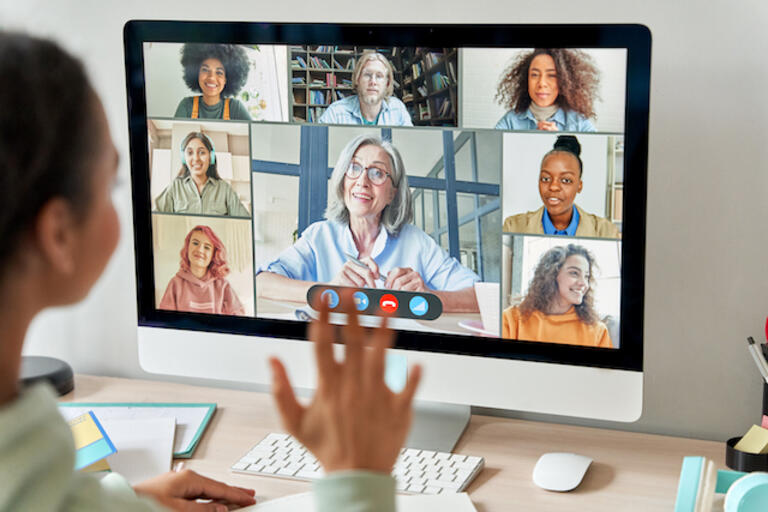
x: 416, y: 471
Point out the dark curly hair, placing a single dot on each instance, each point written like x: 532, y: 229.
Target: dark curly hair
x: 233, y: 58
x: 543, y: 287
x: 578, y: 81
x: 48, y: 133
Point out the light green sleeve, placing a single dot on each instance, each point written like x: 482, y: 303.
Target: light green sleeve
x: 355, y: 491
x: 234, y: 207
x: 37, y: 458
x: 164, y: 202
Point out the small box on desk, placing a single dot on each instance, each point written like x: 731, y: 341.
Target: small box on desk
x: 743, y: 461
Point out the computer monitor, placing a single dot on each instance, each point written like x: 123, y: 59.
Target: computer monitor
x: 484, y: 184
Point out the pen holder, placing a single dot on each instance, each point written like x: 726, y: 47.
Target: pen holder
x: 742, y: 461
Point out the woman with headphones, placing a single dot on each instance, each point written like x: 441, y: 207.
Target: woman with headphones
x: 198, y: 187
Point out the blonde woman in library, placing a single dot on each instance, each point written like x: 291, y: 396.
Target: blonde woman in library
x: 374, y: 103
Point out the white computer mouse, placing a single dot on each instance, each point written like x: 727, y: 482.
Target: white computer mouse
x: 560, y: 471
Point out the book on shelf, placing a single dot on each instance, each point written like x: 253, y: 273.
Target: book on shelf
x: 443, y: 107
x: 422, y: 90
x: 314, y: 113
x: 416, y: 68
x: 432, y: 58
x: 297, y: 80
x: 350, y: 64
x: 317, y: 82
x: 330, y: 80
x: 452, y: 71
x: 299, y: 62
x: 407, y: 97
x: 440, y: 81
x: 346, y: 82
x: 336, y: 64
x: 424, y: 112
x: 319, y: 63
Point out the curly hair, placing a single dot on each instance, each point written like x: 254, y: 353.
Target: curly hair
x: 233, y: 58
x: 543, y: 287
x: 218, y: 266
x: 578, y: 81
x: 212, y: 171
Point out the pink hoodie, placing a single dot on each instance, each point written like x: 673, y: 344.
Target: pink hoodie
x: 185, y: 292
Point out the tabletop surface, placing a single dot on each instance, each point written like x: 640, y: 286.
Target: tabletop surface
x: 630, y: 471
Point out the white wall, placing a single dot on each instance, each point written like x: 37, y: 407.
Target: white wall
x: 706, y: 287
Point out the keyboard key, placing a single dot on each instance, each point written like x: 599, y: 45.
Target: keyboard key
x: 240, y: 466
x: 432, y: 490
x: 416, y: 488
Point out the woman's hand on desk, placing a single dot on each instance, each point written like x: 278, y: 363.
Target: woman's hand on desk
x: 180, y: 490
x: 354, y: 421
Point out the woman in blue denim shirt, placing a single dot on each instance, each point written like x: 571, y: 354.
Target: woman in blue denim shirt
x: 549, y: 89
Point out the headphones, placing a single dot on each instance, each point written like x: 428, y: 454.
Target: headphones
x: 213, y: 149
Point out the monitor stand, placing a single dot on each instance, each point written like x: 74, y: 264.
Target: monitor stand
x: 437, y: 426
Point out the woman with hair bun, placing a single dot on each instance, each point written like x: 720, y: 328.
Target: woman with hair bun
x: 200, y: 285
x: 559, y: 306
x: 218, y: 72
x: 550, y: 89
x: 559, y: 182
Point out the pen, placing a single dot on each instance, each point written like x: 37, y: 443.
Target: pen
x: 762, y: 366
x: 361, y: 264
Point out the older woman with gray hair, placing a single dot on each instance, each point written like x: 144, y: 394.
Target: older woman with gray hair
x: 367, y: 239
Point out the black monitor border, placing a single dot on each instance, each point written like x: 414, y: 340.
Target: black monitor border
x: 636, y: 39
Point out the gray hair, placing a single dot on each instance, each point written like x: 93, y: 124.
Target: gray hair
x: 395, y: 214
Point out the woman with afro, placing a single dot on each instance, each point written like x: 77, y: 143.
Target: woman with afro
x: 549, y: 89
x: 559, y: 305
x: 218, y: 72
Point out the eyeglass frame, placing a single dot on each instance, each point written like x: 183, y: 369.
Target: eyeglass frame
x: 367, y: 169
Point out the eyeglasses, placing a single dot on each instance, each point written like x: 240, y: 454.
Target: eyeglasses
x: 376, y: 175
x: 377, y: 77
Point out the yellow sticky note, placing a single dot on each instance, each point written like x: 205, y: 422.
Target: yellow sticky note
x: 754, y: 441
x: 84, y: 430
x: 99, y: 465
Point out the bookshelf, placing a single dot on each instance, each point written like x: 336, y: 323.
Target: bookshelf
x: 429, y: 84
x: 320, y: 75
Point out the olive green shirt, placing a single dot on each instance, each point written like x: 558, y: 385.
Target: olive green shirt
x: 237, y: 110
x: 217, y: 198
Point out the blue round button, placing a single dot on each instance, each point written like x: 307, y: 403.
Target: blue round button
x: 419, y: 305
x: 361, y: 301
x: 333, y: 298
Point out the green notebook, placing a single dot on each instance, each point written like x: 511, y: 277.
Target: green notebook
x: 191, y: 419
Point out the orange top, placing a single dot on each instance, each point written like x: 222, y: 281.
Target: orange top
x: 566, y: 328
x: 196, y: 108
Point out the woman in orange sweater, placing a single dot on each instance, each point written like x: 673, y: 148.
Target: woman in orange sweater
x: 559, y: 305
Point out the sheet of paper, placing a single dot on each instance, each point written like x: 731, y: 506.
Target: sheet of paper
x: 754, y: 441
x: 405, y: 503
x: 190, y: 419
x: 144, y: 447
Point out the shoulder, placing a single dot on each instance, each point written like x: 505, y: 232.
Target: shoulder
x: 238, y: 109
x: 592, y: 225
x: 322, y: 229
x: 185, y: 107
x: 528, y: 222
x: 512, y: 121
x: 414, y: 234
x: 575, y: 121
x: 396, y: 103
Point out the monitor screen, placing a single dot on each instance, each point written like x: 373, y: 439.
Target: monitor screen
x: 484, y: 186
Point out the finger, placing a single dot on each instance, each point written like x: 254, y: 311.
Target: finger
x: 353, y: 341
x: 383, y: 338
x: 363, y: 275
x: 407, y: 394
x: 194, y: 485
x: 351, y: 275
x: 371, y: 265
x: 394, y: 274
x: 194, y: 506
x: 291, y: 411
x: 321, y: 333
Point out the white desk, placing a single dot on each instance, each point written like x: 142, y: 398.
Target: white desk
x: 631, y: 471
